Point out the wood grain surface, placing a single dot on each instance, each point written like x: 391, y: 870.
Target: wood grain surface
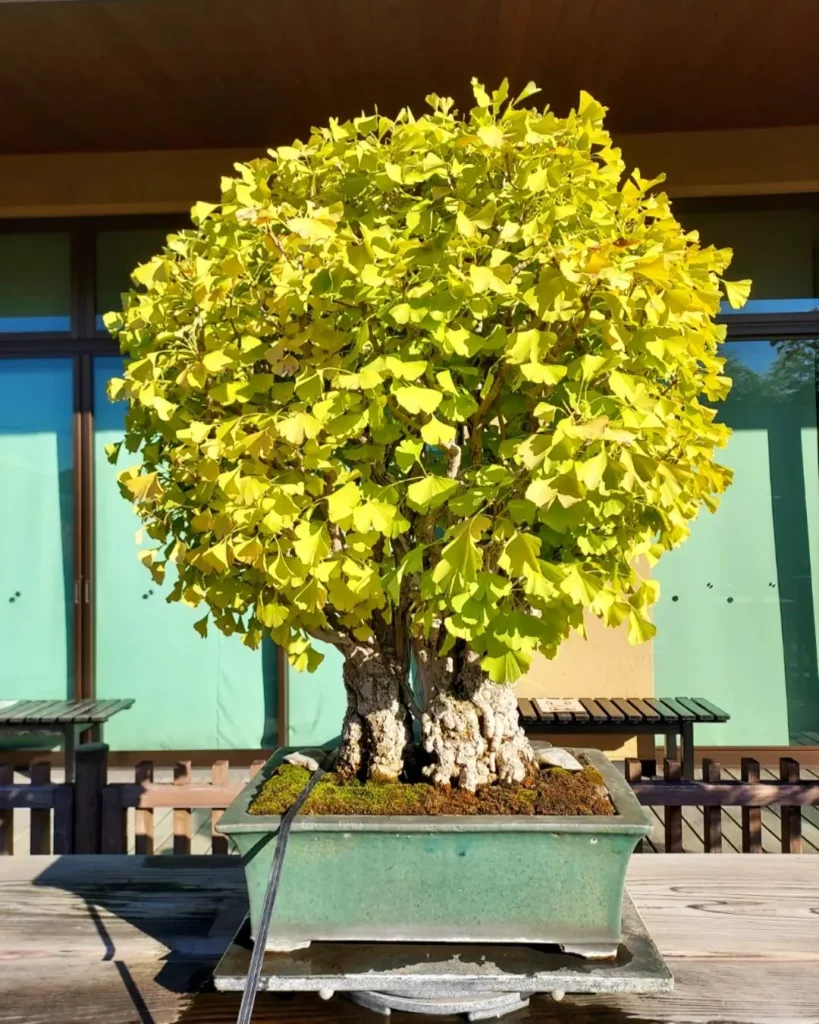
x: 132, y: 940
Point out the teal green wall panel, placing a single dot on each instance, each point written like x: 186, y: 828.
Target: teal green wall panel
x: 190, y: 693
x: 36, y: 529
x: 316, y: 702
x: 737, y: 619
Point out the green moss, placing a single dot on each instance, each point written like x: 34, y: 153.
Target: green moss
x: 549, y: 791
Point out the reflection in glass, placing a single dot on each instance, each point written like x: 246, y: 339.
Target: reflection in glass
x: 36, y: 529
x: 118, y: 253
x: 35, y: 273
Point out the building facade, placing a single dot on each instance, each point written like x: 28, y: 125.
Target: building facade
x: 82, y: 201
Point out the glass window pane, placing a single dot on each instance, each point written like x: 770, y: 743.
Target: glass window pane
x: 738, y: 618
x: 772, y: 246
x: 190, y: 693
x: 36, y: 529
x: 118, y: 253
x: 36, y: 282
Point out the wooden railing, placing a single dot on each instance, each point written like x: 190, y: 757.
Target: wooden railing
x: 43, y: 800
x: 712, y: 794
x: 92, y: 815
x: 182, y: 796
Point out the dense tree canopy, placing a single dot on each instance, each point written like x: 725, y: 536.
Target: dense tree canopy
x: 426, y: 374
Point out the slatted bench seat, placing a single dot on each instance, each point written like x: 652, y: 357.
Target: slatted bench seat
x: 671, y: 716
x: 63, y: 720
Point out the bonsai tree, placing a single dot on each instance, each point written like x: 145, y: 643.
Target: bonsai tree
x: 426, y: 389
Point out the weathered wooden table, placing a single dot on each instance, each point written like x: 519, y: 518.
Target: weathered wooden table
x: 64, y: 720
x: 132, y: 940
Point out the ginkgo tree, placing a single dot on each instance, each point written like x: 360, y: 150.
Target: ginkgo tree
x: 426, y: 389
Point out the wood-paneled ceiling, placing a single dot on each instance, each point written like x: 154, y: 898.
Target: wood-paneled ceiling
x: 179, y: 74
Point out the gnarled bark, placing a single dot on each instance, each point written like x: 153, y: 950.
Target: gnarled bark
x: 471, y: 728
x: 376, y: 738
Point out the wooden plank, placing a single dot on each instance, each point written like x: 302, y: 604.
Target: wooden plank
x: 751, y: 816
x: 256, y: 767
x: 18, y: 711
x: 40, y: 820
x: 679, y: 709
x: 526, y: 709
x: 665, y: 711
x: 594, y: 711
x: 26, y: 797
x: 7, y: 814
x: 766, y: 901
x: 718, y: 714
x: 628, y: 709
x: 105, y: 709
x: 615, y: 715
x: 672, y: 772
x: 182, y: 815
x: 76, y: 711
x: 712, y: 816
x: 700, y: 713
x: 646, y: 710
x: 219, y: 776
x: 49, y: 713
x: 163, y: 794
x: 543, y: 710
x: 791, y: 816
x: 144, y: 816
x: 727, y: 794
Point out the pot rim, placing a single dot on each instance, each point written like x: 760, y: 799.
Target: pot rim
x: 630, y: 817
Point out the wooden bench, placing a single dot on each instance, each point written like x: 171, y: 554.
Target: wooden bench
x: 672, y: 716
x: 64, y: 720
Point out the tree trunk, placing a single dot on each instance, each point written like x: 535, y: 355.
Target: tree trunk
x: 376, y: 739
x: 473, y: 733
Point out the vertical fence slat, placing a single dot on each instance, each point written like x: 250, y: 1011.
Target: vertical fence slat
x: 256, y: 767
x: 91, y: 780
x: 711, y: 816
x: 791, y: 816
x: 219, y: 776
x: 64, y: 819
x: 751, y: 816
x: 182, y: 815
x: 6, y: 816
x: 672, y: 772
x: 114, y: 838
x: 144, y: 817
x: 40, y: 821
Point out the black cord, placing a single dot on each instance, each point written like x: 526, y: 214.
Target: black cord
x: 257, y: 956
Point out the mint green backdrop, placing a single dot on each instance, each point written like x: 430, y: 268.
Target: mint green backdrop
x: 36, y: 572
x: 737, y: 619
x: 190, y: 693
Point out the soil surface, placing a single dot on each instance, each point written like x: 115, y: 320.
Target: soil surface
x: 547, y: 791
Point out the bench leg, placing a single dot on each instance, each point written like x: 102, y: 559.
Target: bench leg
x: 688, y: 750
x: 671, y: 745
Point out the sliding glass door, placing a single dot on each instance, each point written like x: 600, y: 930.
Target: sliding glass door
x: 191, y: 693
x: 37, y: 579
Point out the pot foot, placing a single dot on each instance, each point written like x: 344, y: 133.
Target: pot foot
x: 589, y: 951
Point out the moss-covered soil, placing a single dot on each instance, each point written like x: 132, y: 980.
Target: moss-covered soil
x: 548, y: 791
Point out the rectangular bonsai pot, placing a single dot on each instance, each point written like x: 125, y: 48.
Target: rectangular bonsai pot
x: 450, y: 878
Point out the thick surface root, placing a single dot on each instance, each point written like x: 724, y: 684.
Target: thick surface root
x: 475, y: 738
x: 376, y: 737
